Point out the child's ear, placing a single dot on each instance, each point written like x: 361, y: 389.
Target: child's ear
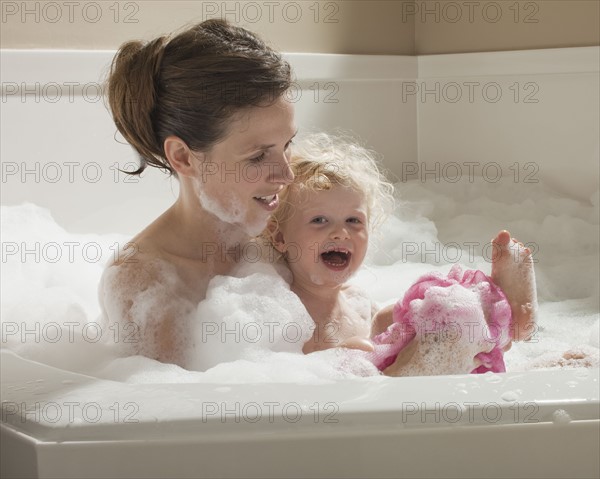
x: 276, y: 236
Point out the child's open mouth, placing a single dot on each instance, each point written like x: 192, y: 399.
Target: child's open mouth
x: 336, y: 259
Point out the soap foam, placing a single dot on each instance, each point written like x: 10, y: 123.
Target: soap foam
x: 230, y: 209
x: 242, y: 315
x: 432, y: 223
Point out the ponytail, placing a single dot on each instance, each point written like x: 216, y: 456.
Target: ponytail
x: 190, y: 86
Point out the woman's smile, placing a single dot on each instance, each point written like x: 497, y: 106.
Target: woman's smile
x: 268, y: 202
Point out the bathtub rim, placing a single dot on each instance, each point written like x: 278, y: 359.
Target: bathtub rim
x: 538, y: 395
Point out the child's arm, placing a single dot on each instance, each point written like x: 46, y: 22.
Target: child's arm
x: 362, y: 304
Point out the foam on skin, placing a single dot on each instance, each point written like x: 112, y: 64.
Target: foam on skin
x: 231, y: 210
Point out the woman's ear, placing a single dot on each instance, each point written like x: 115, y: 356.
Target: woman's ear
x: 276, y: 236
x: 180, y: 157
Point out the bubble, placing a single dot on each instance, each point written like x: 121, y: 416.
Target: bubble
x: 230, y: 209
x: 247, y: 314
x: 560, y: 416
x: 510, y: 396
x: 492, y: 378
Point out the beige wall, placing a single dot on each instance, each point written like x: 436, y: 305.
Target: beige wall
x: 522, y: 25
x: 347, y: 26
x: 356, y: 26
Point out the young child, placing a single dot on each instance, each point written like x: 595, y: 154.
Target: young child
x: 321, y: 230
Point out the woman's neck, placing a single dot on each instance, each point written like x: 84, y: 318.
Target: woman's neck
x: 197, y: 234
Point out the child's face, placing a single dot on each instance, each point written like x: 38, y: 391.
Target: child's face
x: 327, y: 235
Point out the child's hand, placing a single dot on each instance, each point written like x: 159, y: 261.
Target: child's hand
x: 382, y: 320
x: 403, y: 360
x: 428, y: 355
x: 357, y: 342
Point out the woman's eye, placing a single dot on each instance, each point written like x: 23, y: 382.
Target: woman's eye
x: 258, y: 158
x: 289, y: 144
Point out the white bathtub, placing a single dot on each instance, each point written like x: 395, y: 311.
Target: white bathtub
x: 56, y: 423
x: 411, y: 427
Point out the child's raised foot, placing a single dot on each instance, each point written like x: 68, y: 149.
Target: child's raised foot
x: 512, y: 270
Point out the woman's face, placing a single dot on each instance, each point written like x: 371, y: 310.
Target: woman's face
x: 240, y: 178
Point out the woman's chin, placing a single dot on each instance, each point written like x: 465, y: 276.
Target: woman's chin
x: 255, y: 226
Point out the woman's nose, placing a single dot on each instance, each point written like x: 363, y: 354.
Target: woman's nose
x: 282, y: 172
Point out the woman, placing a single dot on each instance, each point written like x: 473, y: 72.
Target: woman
x: 208, y: 107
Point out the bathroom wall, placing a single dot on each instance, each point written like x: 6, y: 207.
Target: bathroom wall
x: 390, y: 27
x: 514, y: 118
x: 474, y: 26
x: 294, y: 26
x: 60, y: 148
x: 524, y: 117
x: 532, y: 113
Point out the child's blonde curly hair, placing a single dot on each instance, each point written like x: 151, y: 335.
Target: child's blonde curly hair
x: 320, y: 161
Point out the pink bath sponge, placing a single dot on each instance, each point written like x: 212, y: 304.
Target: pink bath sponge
x: 455, y: 318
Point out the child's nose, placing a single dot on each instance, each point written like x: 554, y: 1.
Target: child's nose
x: 340, y: 232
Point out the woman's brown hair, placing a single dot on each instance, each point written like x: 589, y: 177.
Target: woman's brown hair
x: 190, y: 86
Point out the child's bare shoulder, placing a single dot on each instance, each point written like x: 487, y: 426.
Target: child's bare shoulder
x: 353, y: 290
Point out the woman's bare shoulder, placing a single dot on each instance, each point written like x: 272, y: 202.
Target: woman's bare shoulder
x: 137, y: 266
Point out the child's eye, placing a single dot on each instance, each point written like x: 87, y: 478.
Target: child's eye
x: 354, y: 220
x: 288, y: 144
x: 319, y: 220
x: 258, y: 158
